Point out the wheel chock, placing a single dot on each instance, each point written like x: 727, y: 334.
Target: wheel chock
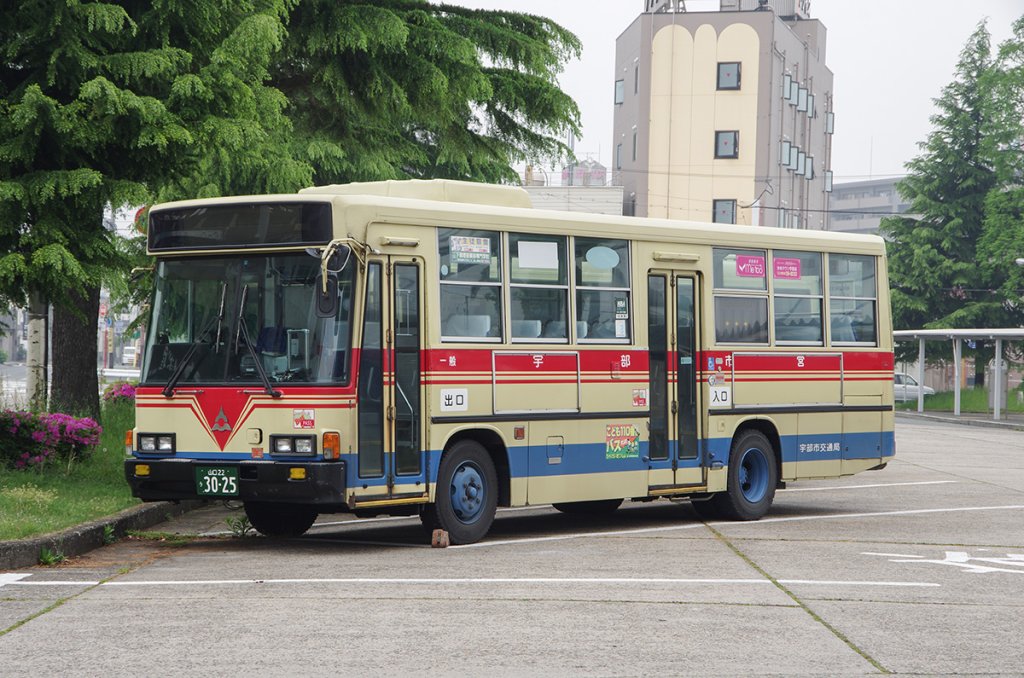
x: 439, y: 539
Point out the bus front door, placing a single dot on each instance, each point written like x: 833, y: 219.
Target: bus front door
x: 673, y: 396
x: 390, y: 457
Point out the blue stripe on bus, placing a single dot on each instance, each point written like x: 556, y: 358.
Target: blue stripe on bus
x: 587, y: 458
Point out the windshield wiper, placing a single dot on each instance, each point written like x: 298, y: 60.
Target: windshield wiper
x: 243, y: 331
x: 202, y: 339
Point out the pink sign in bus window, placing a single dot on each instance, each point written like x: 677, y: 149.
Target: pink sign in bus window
x: 787, y: 268
x: 749, y: 267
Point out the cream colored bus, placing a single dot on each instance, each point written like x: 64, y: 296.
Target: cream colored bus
x: 442, y: 349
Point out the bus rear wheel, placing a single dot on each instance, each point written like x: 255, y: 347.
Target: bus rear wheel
x: 467, y: 494
x: 280, y: 520
x: 753, y: 476
x: 600, y: 507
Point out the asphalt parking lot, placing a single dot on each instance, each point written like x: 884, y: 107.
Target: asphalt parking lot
x: 916, y: 569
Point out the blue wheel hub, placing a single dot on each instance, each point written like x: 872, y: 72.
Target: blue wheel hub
x: 753, y: 475
x: 468, y: 492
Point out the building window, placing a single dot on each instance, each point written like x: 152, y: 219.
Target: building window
x: 830, y: 122
x: 620, y: 91
x: 729, y: 75
x: 724, y: 212
x: 727, y: 144
x: 828, y: 181
x: 618, y: 156
x: 636, y: 79
x: 634, y: 146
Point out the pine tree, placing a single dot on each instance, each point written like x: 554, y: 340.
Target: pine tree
x: 100, y: 104
x: 1003, y: 239
x: 933, y: 267
x: 403, y: 88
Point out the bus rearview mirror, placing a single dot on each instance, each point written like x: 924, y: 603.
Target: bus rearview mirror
x: 326, y: 301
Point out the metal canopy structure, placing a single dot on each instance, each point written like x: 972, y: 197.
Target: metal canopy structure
x: 957, y: 337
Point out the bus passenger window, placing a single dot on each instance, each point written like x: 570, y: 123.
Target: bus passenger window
x: 470, y: 272
x: 539, y: 287
x: 797, y: 291
x: 603, y: 304
x: 853, y: 295
x: 741, y: 320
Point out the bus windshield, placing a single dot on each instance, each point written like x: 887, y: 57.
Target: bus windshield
x: 197, y: 328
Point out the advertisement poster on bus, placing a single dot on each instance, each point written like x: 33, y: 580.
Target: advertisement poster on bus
x: 469, y: 250
x: 622, y: 441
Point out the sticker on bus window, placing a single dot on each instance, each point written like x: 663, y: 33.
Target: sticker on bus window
x: 721, y: 395
x: 621, y: 309
x: 639, y: 397
x: 786, y: 268
x: 620, y: 329
x: 466, y: 249
x: 303, y: 419
x: 622, y: 441
x: 749, y: 266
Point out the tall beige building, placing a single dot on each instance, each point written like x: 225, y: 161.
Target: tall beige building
x: 724, y: 116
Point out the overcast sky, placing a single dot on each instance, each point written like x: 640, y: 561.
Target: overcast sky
x: 890, y: 58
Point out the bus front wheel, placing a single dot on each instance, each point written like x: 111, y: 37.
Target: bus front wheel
x: 753, y: 475
x: 280, y: 520
x: 467, y: 493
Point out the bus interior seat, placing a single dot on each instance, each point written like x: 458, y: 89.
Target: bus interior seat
x: 526, y: 329
x: 468, y: 326
x: 555, y: 329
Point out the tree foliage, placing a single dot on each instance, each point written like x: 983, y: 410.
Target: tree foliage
x: 401, y: 88
x: 951, y: 262
x: 104, y: 104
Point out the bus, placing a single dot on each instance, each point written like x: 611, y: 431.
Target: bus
x: 442, y: 349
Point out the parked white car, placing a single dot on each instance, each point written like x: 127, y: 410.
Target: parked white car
x: 905, y: 387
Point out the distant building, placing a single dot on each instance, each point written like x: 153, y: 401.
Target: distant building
x: 860, y: 206
x: 585, y: 173
x: 724, y: 116
x: 589, y: 199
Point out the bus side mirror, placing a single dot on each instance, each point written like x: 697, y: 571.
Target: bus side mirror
x: 326, y: 302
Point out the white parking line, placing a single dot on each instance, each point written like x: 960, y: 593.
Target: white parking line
x: 726, y: 523
x: 861, y: 487
x: 416, y: 581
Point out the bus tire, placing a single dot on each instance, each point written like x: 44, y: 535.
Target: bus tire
x: 280, y: 520
x: 753, y: 475
x: 467, y: 493
x: 600, y: 507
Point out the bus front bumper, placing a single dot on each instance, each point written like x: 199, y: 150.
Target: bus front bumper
x: 175, y: 480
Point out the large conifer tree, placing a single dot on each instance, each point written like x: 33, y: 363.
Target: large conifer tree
x: 110, y: 103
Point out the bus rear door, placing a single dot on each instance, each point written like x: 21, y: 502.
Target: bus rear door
x: 674, y: 426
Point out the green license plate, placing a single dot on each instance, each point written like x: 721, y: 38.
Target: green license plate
x: 221, y: 481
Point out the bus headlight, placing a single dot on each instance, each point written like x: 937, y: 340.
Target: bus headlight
x: 296, y: 445
x: 156, y: 443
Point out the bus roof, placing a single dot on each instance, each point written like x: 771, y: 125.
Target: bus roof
x: 460, y: 204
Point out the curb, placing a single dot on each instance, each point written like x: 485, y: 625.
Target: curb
x: 1005, y: 425
x: 74, y: 541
